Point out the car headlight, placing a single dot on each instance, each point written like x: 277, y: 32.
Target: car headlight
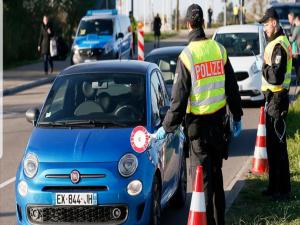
x: 254, y: 68
x: 107, y: 48
x: 128, y: 165
x: 76, y: 49
x: 23, y: 188
x: 30, y: 165
x: 134, y: 187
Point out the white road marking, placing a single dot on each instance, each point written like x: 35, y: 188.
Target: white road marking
x: 11, y: 180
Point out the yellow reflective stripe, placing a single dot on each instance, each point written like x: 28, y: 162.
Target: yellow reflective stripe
x: 223, y: 52
x: 210, y: 80
x: 186, y: 58
x: 208, y: 109
x: 209, y: 86
x: 207, y: 94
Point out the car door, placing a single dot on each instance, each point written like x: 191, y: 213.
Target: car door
x: 170, y: 155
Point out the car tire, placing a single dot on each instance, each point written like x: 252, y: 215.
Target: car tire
x: 155, y: 215
x: 179, y: 197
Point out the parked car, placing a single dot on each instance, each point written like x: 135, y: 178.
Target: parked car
x: 166, y: 59
x: 245, y: 48
x: 102, y: 34
x: 79, y: 166
x: 283, y: 9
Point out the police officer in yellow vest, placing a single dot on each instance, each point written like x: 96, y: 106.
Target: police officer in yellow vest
x: 204, y: 83
x: 275, y: 85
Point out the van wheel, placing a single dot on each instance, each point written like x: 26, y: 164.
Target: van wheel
x: 179, y: 197
x: 155, y: 215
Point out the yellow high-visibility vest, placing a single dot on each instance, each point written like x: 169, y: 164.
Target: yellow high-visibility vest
x: 284, y: 42
x: 235, y: 10
x: 205, y: 61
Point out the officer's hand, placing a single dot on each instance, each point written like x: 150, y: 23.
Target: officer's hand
x: 237, y: 128
x: 161, y: 133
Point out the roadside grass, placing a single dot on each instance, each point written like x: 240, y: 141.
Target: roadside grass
x: 21, y: 63
x: 251, y: 208
x: 149, y: 37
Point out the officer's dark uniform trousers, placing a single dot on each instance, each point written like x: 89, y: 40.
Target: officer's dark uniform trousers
x: 207, y: 150
x: 279, y: 173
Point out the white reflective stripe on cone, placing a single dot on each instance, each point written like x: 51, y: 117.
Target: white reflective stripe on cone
x: 260, y: 153
x: 261, y: 130
x: 198, y: 202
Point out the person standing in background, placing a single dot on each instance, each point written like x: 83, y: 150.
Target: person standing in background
x: 156, y: 29
x: 236, y: 14
x: 133, y: 31
x: 44, y: 44
x: 295, y: 42
x: 291, y: 18
x: 209, y: 13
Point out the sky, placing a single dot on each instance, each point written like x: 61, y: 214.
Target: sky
x: 165, y: 7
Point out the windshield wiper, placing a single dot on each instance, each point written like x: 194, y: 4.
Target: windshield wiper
x: 52, y: 124
x: 95, y: 123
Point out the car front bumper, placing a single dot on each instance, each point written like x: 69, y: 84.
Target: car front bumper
x: 38, y: 206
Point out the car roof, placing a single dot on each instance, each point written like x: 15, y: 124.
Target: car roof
x: 173, y: 50
x: 249, y: 28
x: 297, y: 4
x: 110, y: 66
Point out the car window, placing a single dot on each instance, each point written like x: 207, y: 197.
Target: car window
x: 106, y: 97
x: 163, y: 88
x: 157, y: 98
x: 167, y: 66
x: 239, y: 44
x: 97, y: 26
x: 283, y: 11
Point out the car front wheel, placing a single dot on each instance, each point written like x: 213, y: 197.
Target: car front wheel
x: 155, y: 204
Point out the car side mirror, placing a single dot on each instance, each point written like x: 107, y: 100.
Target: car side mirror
x: 32, y: 115
x: 163, y: 112
x: 120, y: 35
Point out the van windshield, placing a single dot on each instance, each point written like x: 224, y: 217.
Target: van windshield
x: 104, y: 99
x: 239, y: 44
x: 97, y: 26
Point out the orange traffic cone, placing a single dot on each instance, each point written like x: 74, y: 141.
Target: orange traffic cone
x: 260, y: 159
x: 197, y: 215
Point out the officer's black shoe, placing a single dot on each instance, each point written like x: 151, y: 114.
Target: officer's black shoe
x: 267, y: 192
x: 281, y: 197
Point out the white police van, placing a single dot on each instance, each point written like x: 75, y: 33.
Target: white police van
x: 101, y: 34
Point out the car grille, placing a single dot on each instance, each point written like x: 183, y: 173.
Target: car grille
x: 90, y: 52
x: 77, y: 214
x: 241, y: 76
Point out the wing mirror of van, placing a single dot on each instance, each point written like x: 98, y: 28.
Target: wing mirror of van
x: 32, y: 115
x: 120, y: 35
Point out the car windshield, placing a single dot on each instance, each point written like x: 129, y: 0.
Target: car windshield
x: 102, y: 100
x: 239, y: 44
x: 167, y: 65
x: 283, y: 11
x: 97, y: 26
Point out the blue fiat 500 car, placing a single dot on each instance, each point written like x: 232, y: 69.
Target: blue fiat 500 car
x: 79, y: 166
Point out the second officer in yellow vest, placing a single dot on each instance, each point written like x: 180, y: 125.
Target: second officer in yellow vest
x: 275, y: 85
x: 204, y: 83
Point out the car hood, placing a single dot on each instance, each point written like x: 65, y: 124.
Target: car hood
x: 242, y: 63
x: 79, y: 145
x: 92, y: 41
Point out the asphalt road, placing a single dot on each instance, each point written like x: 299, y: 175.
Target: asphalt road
x: 17, y: 131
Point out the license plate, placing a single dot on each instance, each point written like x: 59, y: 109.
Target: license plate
x: 76, y: 198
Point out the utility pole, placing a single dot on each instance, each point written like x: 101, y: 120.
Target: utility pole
x: 177, y: 16
x: 225, y: 12
x: 132, y: 6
